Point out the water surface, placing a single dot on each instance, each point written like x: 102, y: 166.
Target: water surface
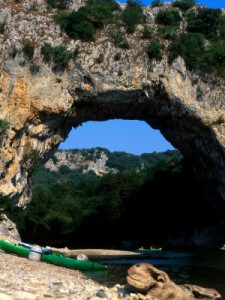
x: 199, y: 267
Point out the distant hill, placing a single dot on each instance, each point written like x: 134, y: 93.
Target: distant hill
x: 78, y: 165
x: 101, y: 161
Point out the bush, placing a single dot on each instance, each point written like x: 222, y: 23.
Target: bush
x: 101, y: 11
x: 2, y: 27
x: 76, y: 24
x: 222, y: 26
x: 154, y: 50
x: 214, y: 59
x: 47, y: 51
x: 86, y: 96
x: 117, y: 56
x: 205, y: 21
x: 184, y: 4
x: 51, y: 3
x: 132, y: 15
x: 81, y: 24
x: 168, y: 17
x: 124, y: 44
x: 99, y: 59
x: 34, y: 69
x: 147, y: 32
x: 61, y: 4
x: 4, y: 125
x: 156, y: 3
x: 75, y: 53
x: 5, y: 203
x: 190, y: 46
x: 14, y: 52
x: 61, y: 56
x: 169, y: 33
x: 28, y: 50
x: 120, y: 72
x: 117, y: 37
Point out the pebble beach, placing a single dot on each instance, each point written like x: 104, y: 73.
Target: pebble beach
x: 24, y: 279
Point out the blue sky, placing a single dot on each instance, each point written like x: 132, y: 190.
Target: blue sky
x: 135, y: 137
x: 208, y: 3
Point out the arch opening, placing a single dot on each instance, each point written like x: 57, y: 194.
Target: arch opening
x: 131, y: 136
x: 149, y: 196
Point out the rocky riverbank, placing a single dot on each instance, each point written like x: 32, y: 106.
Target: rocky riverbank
x: 24, y: 279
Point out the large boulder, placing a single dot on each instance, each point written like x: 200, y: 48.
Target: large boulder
x: 8, y: 228
x: 147, y: 279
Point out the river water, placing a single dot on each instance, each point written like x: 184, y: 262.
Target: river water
x: 199, y: 267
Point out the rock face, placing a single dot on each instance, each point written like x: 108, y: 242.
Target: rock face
x: 75, y: 161
x: 40, y: 105
x: 8, y: 228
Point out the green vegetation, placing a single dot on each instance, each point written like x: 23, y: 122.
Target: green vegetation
x: 34, y: 68
x: 60, y: 4
x: 168, y: 17
x: 2, y: 27
x: 132, y: 15
x: 59, y: 55
x: 168, y: 32
x: 147, y: 32
x: 46, y: 51
x: 202, y: 45
x: 5, y: 203
x: 99, y: 59
x: 120, y: 72
x: 184, y: 4
x: 119, y: 39
x: 154, y: 50
x: 86, y: 96
x: 156, y: 3
x: 4, y: 125
x: 205, y: 21
x: 28, y: 50
x: 14, y: 52
x: 117, y: 56
x: 199, y: 39
x: 190, y: 46
x: 68, y: 203
x: 83, y: 23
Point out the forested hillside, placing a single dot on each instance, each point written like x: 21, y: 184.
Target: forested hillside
x: 73, y: 209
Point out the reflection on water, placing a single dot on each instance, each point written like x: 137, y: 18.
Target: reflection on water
x: 199, y: 267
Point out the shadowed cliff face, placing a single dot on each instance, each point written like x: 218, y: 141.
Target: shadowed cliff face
x: 42, y: 108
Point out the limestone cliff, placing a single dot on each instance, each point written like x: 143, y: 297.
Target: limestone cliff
x: 40, y: 103
x: 76, y: 160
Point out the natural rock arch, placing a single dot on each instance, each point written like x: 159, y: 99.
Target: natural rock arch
x: 41, y: 108
x: 40, y: 118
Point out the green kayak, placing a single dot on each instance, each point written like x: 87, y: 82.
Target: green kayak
x: 148, y: 250
x: 70, y: 263
x: 14, y: 248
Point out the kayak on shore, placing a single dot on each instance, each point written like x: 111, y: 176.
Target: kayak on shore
x: 56, y: 259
